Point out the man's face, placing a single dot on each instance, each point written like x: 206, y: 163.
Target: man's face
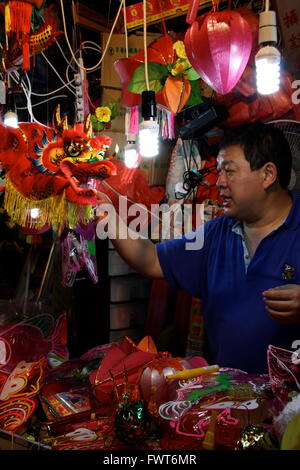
x: 241, y: 188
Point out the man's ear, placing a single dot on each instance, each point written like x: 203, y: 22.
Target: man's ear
x: 269, y: 174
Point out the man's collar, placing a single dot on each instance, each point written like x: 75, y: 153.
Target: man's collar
x: 293, y: 219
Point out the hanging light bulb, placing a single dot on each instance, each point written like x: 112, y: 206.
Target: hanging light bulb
x: 131, y: 156
x: 10, y: 117
x: 148, y: 128
x: 268, y: 58
x: 35, y: 213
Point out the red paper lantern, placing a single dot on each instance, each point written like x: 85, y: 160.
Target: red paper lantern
x: 218, y: 45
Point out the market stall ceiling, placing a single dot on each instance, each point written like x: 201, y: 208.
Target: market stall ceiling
x: 108, y: 10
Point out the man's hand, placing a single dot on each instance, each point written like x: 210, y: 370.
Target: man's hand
x: 102, y: 198
x: 283, y: 303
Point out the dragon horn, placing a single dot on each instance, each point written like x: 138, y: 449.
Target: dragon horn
x: 65, y: 123
x: 56, y: 117
x: 60, y: 124
x: 88, y: 126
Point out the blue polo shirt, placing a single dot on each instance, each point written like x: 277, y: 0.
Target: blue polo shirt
x: 239, y: 328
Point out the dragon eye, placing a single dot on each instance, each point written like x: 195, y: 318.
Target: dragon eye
x: 74, y: 149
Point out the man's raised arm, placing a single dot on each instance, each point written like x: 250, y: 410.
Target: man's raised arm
x: 139, y: 252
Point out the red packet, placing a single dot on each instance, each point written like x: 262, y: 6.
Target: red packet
x: 66, y: 403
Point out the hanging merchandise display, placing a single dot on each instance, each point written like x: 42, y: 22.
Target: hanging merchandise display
x: 24, y: 41
x: 48, y: 169
x: 171, y: 75
x: 218, y: 45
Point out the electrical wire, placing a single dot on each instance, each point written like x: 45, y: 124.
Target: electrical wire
x: 27, y: 92
x: 90, y: 69
x: 125, y: 29
x: 44, y: 101
x: 54, y: 91
x: 54, y: 69
x: 145, y: 43
x: 64, y: 55
x: 132, y: 202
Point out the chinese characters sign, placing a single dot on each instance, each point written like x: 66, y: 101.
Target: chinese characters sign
x: 289, y: 23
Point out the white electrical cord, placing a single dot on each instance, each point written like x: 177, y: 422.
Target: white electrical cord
x: 64, y: 55
x: 27, y: 93
x: 90, y: 69
x: 54, y: 91
x: 54, y: 69
x: 145, y: 44
x: 125, y: 29
x: 44, y: 101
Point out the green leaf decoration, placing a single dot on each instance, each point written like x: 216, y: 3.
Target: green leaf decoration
x: 195, y: 97
x: 114, y: 110
x: 191, y: 74
x: 157, y: 74
x: 97, y: 125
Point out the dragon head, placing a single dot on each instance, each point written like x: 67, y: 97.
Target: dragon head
x: 52, y: 166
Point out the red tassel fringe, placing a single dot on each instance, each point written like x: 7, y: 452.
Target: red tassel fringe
x: 20, y: 17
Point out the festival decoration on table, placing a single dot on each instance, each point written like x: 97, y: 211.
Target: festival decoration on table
x: 25, y: 380
x: 15, y: 412
x: 218, y: 45
x: 284, y: 369
x: 155, y: 376
x: 291, y: 436
x: 66, y: 403
x: 98, y: 434
x: 132, y: 423
x: 110, y: 375
x: 214, y: 410
x: 257, y: 438
x: 285, y: 416
x: 25, y: 342
x: 48, y: 170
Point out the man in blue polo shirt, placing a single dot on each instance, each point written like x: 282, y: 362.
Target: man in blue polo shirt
x: 244, y: 266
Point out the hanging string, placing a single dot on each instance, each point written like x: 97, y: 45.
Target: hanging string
x: 162, y: 18
x: 125, y: 28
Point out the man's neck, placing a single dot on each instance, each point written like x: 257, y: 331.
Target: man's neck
x: 273, y: 215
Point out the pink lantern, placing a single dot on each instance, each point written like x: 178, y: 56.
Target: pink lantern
x: 218, y: 45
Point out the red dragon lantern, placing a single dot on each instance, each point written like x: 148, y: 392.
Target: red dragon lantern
x: 48, y: 169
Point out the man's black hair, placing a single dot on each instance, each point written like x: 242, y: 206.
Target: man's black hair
x: 262, y: 143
